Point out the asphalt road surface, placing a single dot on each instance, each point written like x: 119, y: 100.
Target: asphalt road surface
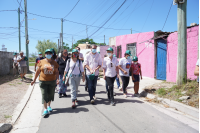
x: 128, y: 116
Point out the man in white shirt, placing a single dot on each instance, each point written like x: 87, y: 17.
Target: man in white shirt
x: 93, y: 62
x: 21, y: 59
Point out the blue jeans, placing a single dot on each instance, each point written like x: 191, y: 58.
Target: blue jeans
x: 92, y: 86
x: 62, y: 86
x: 118, y: 83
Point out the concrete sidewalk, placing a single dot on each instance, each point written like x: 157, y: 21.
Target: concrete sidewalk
x: 143, y: 83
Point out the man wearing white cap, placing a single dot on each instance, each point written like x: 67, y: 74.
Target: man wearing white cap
x: 22, y: 64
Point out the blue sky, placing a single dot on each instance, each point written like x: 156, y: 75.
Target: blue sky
x: 140, y: 15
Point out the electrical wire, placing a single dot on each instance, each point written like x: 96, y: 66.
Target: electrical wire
x: 108, y: 19
x: 74, y: 21
x: 7, y: 10
x: 72, y: 9
x: 20, y: 4
x: 167, y: 15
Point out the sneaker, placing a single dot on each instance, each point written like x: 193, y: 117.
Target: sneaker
x: 120, y: 89
x: 94, y: 97
x: 136, y: 95
x: 114, y: 93
x: 76, y: 102
x: 49, y: 109
x: 92, y: 101
x: 64, y: 94
x: 45, y: 113
x: 22, y: 80
x: 73, y: 105
x: 112, y: 103
x: 60, y: 95
x: 125, y: 96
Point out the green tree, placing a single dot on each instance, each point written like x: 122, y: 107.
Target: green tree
x: 83, y: 41
x: 66, y: 46
x: 46, y: 44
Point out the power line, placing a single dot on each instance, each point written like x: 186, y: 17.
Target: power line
x: 20, y: 4
x: 7, y: 10
x: 72, y: 9
x: 108, y: 19
x: 74, y: 21
x: 167, y: 15
x: 147, y: 15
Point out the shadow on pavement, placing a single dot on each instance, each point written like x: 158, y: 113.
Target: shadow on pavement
x: 69, y: 110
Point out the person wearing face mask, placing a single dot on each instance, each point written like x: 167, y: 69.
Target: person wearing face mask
x: 92, y: 63
x: 135, y: 72
x: 124, y: 67
x: 38, y: 60
x: 62, y: 64
x: 110, y: 70
x: 48, y: 70
x: 74, y: 70
x: 80, y: 54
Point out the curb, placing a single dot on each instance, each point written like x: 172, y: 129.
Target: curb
x: 178, y: 106
x: 20, y: 107
x: 191, y: 111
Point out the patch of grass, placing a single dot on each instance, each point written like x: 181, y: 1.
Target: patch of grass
x: 191, y: 88
x: 32, y: 59
x: 31, y: 64
x: 19, y: 83
x: 12, y: 84
x: 7, y: 116
x: 161, y: 92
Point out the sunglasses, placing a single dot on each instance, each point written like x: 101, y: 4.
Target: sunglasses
x: 111, y: 64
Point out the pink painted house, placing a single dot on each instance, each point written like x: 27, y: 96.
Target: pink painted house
x: 157, y: 52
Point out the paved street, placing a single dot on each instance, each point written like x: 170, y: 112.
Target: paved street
x: 128, y: 116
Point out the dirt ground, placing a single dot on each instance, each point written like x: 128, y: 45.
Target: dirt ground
x: 173, y: 92
x: 12, y: 90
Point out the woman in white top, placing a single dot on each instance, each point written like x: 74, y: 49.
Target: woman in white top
x: 15, y: 64
x: 110, y: 70
x: 74, y: 70
x: 124, y: 68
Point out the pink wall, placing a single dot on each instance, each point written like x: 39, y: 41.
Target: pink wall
x: 145, y: 50
x: 192, y: 53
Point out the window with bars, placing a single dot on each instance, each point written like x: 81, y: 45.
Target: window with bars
x: 119, y: 52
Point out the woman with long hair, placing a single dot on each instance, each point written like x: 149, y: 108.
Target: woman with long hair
x: 74, y: 71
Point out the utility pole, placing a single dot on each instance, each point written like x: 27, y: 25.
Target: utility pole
x: 62, y: 33
x: 131, y: 30
x: 19, y: 29
x: 182, y: 43
x: 26, y: 33
x: 104, y: 40
x: 58, y: 47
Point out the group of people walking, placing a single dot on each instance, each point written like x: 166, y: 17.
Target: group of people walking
x: 70, y: 70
